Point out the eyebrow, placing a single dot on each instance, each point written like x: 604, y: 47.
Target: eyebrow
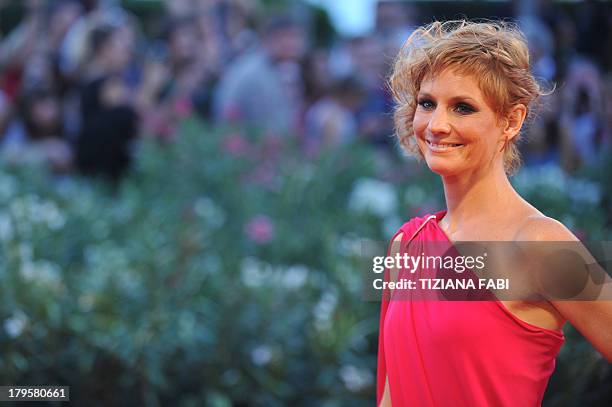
x: 453, y: 99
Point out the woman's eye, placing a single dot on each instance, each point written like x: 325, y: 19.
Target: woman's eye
x: 426, y: 104
x: 464, y: 108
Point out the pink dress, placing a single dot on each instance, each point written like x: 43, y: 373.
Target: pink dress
x: 459, y: 353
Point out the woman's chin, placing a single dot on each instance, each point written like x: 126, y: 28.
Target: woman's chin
x: 442, y: 167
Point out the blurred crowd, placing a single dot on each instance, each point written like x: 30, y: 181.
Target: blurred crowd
x: 81, y: 81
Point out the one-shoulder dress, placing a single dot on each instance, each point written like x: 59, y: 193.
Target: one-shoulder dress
x: 459, y: 353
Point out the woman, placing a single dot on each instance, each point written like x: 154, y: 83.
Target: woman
x: 463, y: 91
x: 109, y: 129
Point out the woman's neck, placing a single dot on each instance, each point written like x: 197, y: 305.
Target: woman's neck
x: 475, y: 196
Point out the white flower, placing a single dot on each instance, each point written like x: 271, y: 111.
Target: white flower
x: 295, y: 277
x: 324, y: 310
x: 584, y: 191
x: 8, y: 187
x: 15, y: 325
x: 552, y: 177
x: 354, y: 378
x: 261, y: 355
x: 208, y: 210
x: 349, y: 245
x: 252, y: 272
x: 28, y: 270
x: 51, y: 215
x: 376, y: 197
x: 211, y: 264
x: 86, y: 302
x: 30, y: 209
x: 186, y: 325
x: 6, y: 227
x: 25, y: 252
x: 92, y: 255
x: 549, y: 176
x: 42, y: 271
x: 128, y: 279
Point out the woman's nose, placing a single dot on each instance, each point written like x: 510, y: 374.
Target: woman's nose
x: 438, y: 122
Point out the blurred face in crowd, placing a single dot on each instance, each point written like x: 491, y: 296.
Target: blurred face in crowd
x: 117, y: 51
x: 286, y: 44
x: 46, y: 112
x: 455, y: 128
x: 114, y: 92
x: 183, y: 43
x: 44, y: 115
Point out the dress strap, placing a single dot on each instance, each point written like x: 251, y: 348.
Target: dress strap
x: 430, y: 217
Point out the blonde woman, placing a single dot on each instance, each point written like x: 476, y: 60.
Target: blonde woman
x: 462, y: 92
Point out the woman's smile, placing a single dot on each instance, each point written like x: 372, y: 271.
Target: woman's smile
x: 442, y: 147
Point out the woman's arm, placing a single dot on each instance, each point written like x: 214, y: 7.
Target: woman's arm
x: 592, y: 316
x: 386, y: 398
x: 393, y: 251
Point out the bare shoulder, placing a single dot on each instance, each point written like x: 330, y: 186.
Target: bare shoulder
x: 395, y: 245
x: 393, y: 250
x: 539, y: 227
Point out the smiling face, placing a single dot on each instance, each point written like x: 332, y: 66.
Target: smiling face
x: 456, y: 129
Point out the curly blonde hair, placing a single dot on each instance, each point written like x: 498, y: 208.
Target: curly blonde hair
x: 495, y: 53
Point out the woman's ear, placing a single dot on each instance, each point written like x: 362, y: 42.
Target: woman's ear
x: 514, y: 121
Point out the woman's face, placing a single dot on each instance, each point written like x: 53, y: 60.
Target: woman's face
x: 456, y: 130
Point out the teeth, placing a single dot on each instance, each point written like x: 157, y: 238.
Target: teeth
x: 439, y: 146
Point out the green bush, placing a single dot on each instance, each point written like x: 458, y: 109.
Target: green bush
x: 221, y: 272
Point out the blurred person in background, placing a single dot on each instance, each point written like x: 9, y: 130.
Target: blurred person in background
x: 108, y: 115
x: 99, y: 42
x: 395, y: 21
x: 110, y: 51
x: 75, y: 42
x: 62, y: 15
x: 370, y: 69
x: 18, y: 47
x: 607, y: 89
x: 110, y: 125
x: 331, y: 120
x: 186, y: 78
x: 33, y: 130
x: 542, y: 141
x: 5, y: 113
x: 592, y: 23
x: 317, y: 75
x: 226, y: 30
x: 582, y: 116
x: 264, y: 88
x: 35, y: 134
x: 211, y: 62
x: 541, y: 47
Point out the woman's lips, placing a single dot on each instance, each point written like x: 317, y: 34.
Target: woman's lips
x: 440, y: 147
